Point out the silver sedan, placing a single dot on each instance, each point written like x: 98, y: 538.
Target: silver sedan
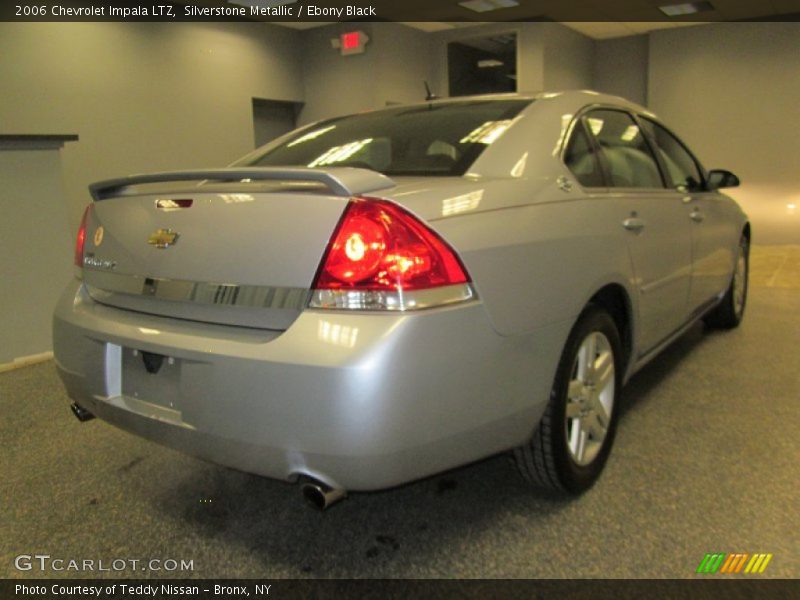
x: 376, y: 298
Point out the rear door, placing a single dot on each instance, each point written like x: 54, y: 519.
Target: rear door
x: 654, y: 220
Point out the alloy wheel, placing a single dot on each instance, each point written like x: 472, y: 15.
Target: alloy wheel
x: 590, y: 398
x: 740, y: 281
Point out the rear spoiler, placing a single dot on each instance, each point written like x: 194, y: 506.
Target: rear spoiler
x: 342, y: 181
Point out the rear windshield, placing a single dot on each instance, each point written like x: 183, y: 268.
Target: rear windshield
x: 436, y: 139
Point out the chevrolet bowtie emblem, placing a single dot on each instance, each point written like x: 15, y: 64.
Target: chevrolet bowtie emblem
x: 163, y: 238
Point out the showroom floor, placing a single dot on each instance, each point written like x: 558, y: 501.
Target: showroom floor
x: 706, y: 460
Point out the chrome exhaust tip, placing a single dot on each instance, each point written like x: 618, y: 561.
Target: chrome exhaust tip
x: 81, y: 413
x: 321, y: 496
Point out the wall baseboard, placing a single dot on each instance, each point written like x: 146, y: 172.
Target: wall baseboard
x: 25, y: 361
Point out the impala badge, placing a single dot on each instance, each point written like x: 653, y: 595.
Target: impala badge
x: 163, y: 238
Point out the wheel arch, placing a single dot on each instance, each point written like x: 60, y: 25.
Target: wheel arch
x: 614, y: 299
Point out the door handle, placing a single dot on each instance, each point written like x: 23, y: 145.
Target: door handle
x: 697, y: 216
x: 633, y: 224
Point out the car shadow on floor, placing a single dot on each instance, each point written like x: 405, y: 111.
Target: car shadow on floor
x: 408, y: 531
x: 637, y: 391
x: 367, y: 534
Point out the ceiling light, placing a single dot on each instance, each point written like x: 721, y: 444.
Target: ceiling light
x: 504, y: 39
x: 481, y: 6
x: 686, y: 8
x: 488, y: 63
x: 311, y: 135
x: 486, y: 133
x: 630, y: 133
x: 460, y: 204
x: 595, y: 124
x: 339, y: 154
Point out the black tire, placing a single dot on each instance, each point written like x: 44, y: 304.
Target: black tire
x: 729, y: 312
x: 547, y: 460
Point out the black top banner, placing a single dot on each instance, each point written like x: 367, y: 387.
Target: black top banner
x: 381, y: 10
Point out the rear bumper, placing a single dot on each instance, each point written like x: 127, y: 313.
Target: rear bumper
x: 360, y: 401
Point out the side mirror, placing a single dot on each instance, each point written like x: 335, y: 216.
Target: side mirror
x: 720, y: 178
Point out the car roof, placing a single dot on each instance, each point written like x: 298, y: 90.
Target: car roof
x: 540, y: 132
x: 571, y: 100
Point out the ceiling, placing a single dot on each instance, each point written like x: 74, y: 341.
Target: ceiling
x: 598, y: 30
x: 599, y: 19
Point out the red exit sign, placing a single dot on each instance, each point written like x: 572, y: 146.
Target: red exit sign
x: 351, y: 42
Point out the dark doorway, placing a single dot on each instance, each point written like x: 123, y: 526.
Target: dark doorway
x: 273, y: 118
x: 483, y: 65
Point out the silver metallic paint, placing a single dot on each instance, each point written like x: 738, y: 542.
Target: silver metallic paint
x: 365, y: 401
x: 397, y: 398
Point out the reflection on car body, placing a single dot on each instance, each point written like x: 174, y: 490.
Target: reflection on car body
x: 403, y: 291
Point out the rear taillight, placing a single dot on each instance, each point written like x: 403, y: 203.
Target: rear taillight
x: 381, y: 257
x: 80, y: 240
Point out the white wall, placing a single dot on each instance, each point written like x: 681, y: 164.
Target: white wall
x: 36, y: 261
x: 621, y: 66
x: 142, y: 96
x: 568, y: 58
x: 392, y: 69
x: 732, y: 91
x: 148, y: 96
x: 398, y: 59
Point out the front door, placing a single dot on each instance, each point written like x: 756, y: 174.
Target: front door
x: 713, y: 235
x: 656, y: 224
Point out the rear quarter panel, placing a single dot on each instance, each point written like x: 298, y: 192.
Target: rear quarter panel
x: 539, y: 264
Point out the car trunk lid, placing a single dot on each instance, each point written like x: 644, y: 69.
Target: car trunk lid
x: 241, y: 248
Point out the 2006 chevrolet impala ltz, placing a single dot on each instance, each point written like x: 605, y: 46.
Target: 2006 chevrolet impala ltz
x: 379, y: 297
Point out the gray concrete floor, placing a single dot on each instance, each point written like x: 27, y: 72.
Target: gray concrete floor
x: 706, y: 460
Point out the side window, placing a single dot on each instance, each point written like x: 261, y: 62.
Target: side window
x: 580, y: 158
x: 682, y: 169
x: 627, y: 157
